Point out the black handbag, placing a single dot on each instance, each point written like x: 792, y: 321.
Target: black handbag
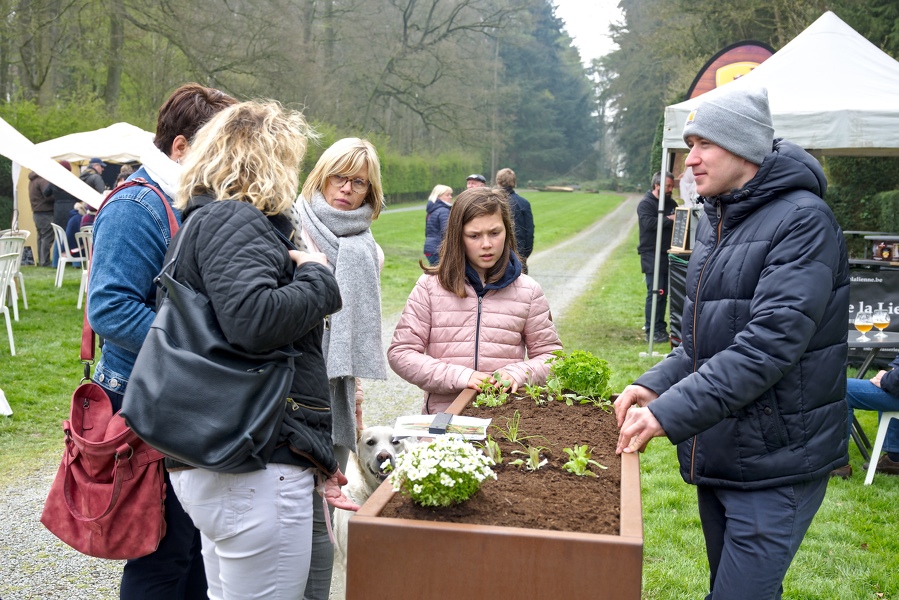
x: 194, y: 396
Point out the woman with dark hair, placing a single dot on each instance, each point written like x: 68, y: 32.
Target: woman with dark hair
x: 474, y: 317
x: 236, y: 194
x: 131, y: 235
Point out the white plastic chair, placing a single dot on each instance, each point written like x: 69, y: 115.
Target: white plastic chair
x: 65, y: 254
x: 7, y: 270
x: 885, y: 418
x: 9, y: 243
x: 86, y: 249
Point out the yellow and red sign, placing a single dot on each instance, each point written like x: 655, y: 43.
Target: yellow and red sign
x: 731, y: 63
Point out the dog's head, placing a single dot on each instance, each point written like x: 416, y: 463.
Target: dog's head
x: 376, y: 447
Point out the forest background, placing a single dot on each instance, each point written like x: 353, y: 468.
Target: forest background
x: 442, y: 87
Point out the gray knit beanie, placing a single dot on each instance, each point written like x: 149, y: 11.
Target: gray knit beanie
x: 739, y: 121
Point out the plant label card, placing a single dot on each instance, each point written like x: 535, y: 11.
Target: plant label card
x: 468, y: 428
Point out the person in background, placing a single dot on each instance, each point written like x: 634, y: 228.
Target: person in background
x: 688, y: 188
x: 648, y: 223
x: 131, y: 235
x: 42, y: 212
x: 754, y: 397
x: 237, y: 190
x: 124, y: 173
x: 880, y: 393
x: 340, y: 199
x: 438, y: 208
x: 474, y: 313
x: 475, y: 180
x: 521, y: 216
x: 63, y: 201
x: 93, y: 175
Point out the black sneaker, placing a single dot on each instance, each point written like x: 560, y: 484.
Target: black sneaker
x: 660, y: 337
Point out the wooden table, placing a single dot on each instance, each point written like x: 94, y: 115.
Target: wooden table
x: 873, y: 346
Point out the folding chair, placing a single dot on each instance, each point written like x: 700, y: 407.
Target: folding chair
x: 14, y: 241
x: 86, y: 249
x: 65, y: 254
x: 7, y: 271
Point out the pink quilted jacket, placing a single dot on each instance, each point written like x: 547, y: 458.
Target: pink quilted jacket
x: 439, y: 342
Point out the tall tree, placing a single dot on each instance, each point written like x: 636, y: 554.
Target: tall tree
x: 552, y: 129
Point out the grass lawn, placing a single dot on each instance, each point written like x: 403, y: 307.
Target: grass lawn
x: 851, y: 543
x: 557, y: 216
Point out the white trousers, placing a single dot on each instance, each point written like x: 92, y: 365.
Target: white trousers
x: 256, y: 529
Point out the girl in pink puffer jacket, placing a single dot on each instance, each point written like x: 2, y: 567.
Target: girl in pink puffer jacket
x: 474, y: 313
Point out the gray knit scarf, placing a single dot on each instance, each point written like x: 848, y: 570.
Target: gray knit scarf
x: 352, y: 344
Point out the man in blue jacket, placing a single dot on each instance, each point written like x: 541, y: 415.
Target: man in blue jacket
x: 754, y: 397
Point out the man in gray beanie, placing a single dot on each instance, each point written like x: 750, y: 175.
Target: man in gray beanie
x: 753, y: 397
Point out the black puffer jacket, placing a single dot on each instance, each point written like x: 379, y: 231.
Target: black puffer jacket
x: 754, y: 397
x: 233, y: 256
x: 648, y: 220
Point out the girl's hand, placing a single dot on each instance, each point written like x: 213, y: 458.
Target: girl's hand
x: 474, y: 382
x: 477, y: 378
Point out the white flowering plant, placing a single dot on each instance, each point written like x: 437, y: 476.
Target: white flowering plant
x: 441, y: 472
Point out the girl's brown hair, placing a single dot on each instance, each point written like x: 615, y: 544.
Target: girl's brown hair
x: 469, y: 205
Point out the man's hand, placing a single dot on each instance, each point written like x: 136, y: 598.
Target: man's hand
x: 334, y: 495
x: 876, y: 379
x: 640, y: 426
x: 632, y: 394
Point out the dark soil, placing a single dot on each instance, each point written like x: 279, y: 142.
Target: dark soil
x: 550, y: 498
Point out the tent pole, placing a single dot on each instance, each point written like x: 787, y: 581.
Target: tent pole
x: 655, y: 271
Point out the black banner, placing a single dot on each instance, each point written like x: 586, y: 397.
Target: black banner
x: 872, y: 288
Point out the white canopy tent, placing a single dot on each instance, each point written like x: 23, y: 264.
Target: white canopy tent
x: 120, y: 143
x: 831, y: 91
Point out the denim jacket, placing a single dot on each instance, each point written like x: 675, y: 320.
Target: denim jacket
x: 131, y: 235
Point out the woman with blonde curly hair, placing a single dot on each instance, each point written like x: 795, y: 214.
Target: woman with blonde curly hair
x: 235, y: 194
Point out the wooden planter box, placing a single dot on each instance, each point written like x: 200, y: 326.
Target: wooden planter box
x: 403, y: 559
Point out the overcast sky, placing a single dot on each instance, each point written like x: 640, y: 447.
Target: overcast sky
x: 587, y: 21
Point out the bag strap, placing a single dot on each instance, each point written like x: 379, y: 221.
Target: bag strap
x: 88, y: 337
x: 123, y: 453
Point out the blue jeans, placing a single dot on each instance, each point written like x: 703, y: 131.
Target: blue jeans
x: 861, y: 393
x: 751, y: 536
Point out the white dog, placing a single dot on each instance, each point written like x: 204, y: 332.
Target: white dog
x: 374, y: 448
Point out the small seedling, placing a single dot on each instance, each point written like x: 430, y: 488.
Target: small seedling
x: 554, y: 389
x: 492, y: 394
x: 512, y: 430
x: 532, y: 462
x: 491, y: 449
x: 535, y: 393
x: 579, y: 459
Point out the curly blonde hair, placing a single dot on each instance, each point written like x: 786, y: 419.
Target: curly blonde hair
x: 251, y: 152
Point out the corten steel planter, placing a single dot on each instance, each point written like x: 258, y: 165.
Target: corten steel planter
x: 404, y: 559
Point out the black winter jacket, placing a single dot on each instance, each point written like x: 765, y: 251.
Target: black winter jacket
x: 648, y: 220
x: 523, y: 219
x: 754, y: 397
x: 435, y: 228
x: 234, y: 257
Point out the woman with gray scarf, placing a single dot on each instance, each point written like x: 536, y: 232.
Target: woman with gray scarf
x: 339, y: 201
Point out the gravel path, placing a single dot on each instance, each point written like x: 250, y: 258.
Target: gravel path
x: 36, y: 565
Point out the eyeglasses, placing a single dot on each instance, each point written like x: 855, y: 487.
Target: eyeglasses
x: 359, y: 186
